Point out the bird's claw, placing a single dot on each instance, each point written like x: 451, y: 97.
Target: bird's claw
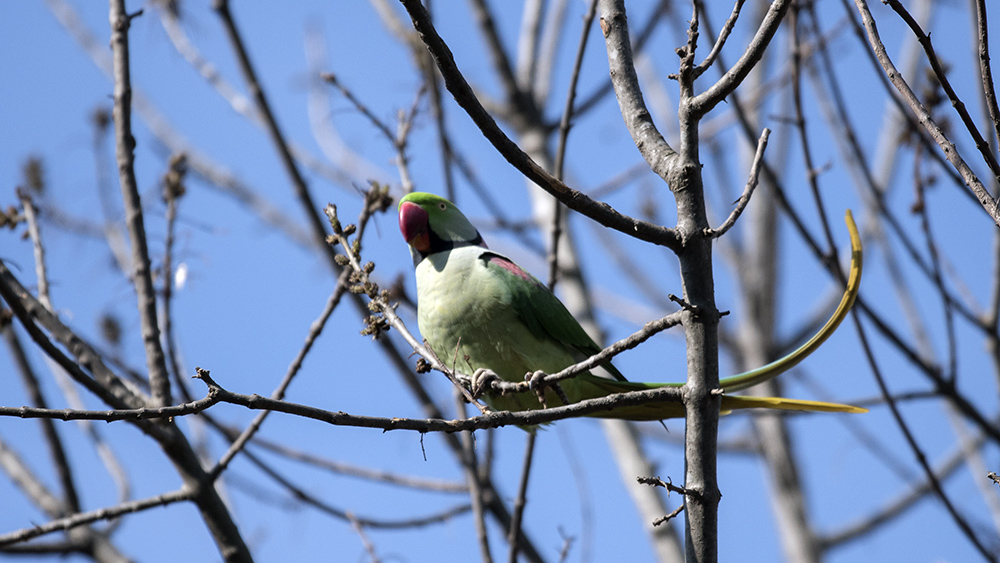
x: 535, y: 379
x: 482, y: 380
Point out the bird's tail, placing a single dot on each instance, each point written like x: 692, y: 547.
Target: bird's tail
x: 674, y: 409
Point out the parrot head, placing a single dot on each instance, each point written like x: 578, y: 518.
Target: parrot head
x: 431, y: 224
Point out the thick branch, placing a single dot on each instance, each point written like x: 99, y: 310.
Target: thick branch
x: 647, y: 138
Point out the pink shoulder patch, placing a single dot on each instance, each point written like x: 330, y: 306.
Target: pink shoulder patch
x: 511, y: 267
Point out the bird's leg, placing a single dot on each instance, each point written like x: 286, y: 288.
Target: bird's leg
x: 482, y: 380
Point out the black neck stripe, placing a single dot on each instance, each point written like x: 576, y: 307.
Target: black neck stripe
x: 440, y: 245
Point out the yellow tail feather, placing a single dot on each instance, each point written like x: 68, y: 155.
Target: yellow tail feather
x: 737, y: 402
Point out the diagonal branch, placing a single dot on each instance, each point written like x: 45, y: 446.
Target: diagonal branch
x: 80, y: 519
x: 575, y: 200
x: 704, y: 102
x: 744, y: 199
x: 942, y: 77
x: 991, y: 205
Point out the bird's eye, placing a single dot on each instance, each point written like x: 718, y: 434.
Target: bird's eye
x: 443, y: 206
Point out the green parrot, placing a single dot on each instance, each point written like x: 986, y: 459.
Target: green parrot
x: 481, y: 312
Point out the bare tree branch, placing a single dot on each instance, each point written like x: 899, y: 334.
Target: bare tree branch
x: 575, y: 200
x: 140, y: 269
x: 989, y: 204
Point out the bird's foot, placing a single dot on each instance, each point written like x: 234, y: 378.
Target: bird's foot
x: 536, y: 382
x: 482, y: 380
x: 535, y: 379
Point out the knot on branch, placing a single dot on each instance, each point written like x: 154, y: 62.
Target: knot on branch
x: 696, y: 311
x: 173, y: 180
x: 11, y: 217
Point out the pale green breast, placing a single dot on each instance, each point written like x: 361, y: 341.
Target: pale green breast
x: 462, y: 305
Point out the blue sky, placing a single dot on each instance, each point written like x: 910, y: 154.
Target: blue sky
x: 251, y: 291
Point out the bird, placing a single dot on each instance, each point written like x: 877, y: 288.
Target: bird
x: 482, y: 313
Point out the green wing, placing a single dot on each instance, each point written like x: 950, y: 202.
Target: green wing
x: 542, y: 312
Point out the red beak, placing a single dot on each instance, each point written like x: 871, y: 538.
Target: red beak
x: 413, y: 224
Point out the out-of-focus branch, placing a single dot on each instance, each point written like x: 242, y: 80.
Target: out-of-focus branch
x: 544, y: 66
x: 140, y: 270
x: 918, y: 453
x: 314, y: 331
x: 34, y: 231
x: 900, y: 505
x: 564, y: 127
x: 52, y: 439
x: 360, y: 472
x: 498, y: 54
x: 212, y: 172
x: 477, y: 493
x: 105, y: 384
x: 522, y: 497
x: 399, y: 139
x: 80, y: 519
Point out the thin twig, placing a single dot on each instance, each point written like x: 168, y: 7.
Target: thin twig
x: 365, y: 541
x: 140, y: 270
x: 951, y: 374
x: 489, y: 420
x: 564, y: 126
x: 727, y: 28
x: 744, y: 199
x: 145, y: 413
x: 34, y: 231
x: 521, y: 499
x: 712, y: 96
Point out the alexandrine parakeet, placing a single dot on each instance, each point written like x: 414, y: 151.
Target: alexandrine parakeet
x: 478, y: 311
